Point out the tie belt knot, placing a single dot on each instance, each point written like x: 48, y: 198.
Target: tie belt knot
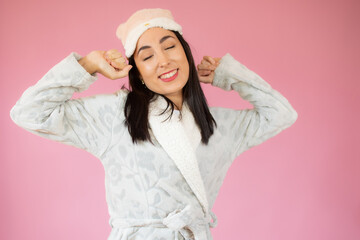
x: 190, y: 222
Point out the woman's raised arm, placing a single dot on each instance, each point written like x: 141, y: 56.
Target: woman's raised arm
x: 46, y: 109
x: 246, y: 128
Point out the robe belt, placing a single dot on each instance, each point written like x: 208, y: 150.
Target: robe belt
x: 189, y: 222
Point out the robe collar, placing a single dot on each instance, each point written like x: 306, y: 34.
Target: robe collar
x: 179, y: 138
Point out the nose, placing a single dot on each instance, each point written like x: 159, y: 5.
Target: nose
x: 163, y: 58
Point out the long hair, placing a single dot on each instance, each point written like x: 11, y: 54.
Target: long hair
x: 138, y: 99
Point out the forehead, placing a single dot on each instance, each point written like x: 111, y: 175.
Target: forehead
x: 152, y: 36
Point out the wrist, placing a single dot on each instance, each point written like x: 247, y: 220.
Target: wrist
x: 86, y: 63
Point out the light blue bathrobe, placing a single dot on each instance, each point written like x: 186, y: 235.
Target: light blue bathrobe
x: 164, y: 191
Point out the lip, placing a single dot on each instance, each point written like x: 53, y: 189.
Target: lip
x: 171, y: 78
x: 167, y: 72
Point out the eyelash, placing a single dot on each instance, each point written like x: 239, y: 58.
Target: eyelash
x: 165, y: 49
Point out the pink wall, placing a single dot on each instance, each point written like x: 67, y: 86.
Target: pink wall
x: 302, y: 184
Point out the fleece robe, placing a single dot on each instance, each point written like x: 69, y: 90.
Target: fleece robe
x: 164, y: 190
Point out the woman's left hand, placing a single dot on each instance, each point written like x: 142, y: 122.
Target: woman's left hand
x: 206, y: 69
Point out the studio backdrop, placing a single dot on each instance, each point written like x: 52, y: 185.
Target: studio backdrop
x: 301, y: 184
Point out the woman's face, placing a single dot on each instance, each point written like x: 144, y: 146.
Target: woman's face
x: 162, y: 63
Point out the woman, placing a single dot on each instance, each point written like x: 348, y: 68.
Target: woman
x: 164, y: 151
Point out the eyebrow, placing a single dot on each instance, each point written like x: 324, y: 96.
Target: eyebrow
x: 161, y: 41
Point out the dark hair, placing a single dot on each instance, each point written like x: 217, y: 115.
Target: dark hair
x: 138, y: 99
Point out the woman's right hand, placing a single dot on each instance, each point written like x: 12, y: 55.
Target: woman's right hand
x: 109, y: 63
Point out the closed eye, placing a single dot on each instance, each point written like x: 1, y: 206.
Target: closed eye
x: 165, y: 49
x: 147, y: 58
x: 170, y: 47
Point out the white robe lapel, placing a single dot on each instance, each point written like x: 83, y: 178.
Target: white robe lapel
x: 179, y: 138
x: 191, y: 128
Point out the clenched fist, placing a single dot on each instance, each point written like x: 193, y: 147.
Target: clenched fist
x: 109, y: 63
x: 206, y: 69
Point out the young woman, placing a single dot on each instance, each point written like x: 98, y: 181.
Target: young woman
x: 164, y: 151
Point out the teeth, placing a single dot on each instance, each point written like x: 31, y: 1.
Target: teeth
x: 169, y: 74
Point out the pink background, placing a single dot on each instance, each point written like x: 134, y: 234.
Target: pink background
x: 301, y: 184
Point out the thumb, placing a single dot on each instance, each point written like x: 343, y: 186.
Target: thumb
x: 125, y: 71
x: 127, y: 68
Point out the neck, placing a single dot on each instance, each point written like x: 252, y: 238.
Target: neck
x: 177, y: 100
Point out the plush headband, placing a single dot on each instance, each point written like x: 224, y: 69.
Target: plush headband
x: 130, y: 31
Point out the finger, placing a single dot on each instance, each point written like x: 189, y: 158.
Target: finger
x: 217, y: 61
x: 113, y: 54
x: 123, y: 72
x: 204, y: 72
x: 116, y: 74
x: 121, y: 59
x: 118, y: 64
x: 206, y: 67
x: 207, y: 79
x: 204, y: 61
x: 107, y: 70
x: 210, y: 59
x: 207, y: 63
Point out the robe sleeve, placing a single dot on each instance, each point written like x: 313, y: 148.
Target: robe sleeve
x: 271, y: 114
x: 46, y: 108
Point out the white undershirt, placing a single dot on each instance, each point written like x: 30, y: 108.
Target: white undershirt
x: 176, y: 112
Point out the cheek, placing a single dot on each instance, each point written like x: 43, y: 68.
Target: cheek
x: 183, y: 60
x: 185, y: 66
x: 146, y: 70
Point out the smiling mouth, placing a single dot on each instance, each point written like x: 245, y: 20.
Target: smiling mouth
x: 169, y: 76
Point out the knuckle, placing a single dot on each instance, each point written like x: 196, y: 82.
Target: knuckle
x: 119, y: 64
